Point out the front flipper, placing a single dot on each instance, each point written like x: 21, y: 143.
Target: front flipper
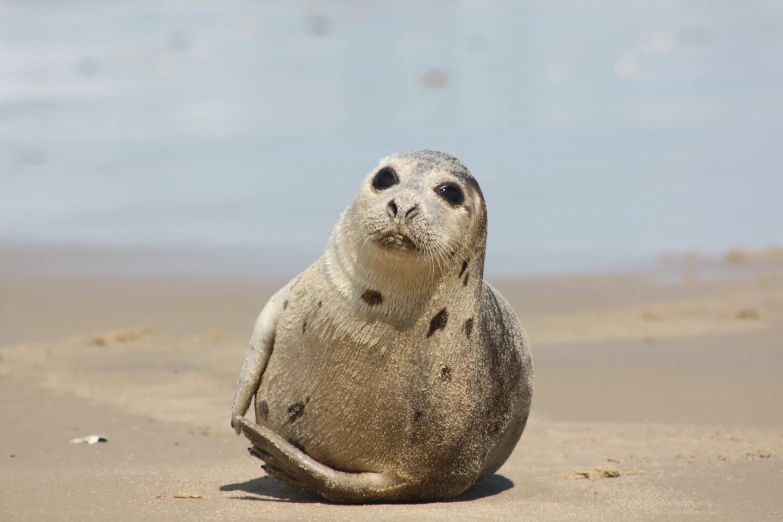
x: 258, y: 353
x: 291, y: 466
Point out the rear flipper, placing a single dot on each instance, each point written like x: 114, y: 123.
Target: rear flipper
x: 291, y: 466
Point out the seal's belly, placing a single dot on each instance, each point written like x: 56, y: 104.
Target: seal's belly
x: 357, y: 406
x: 344, y: 405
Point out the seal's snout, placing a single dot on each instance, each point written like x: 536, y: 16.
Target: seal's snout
x: 400, y: 215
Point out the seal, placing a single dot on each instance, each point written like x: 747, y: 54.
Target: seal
x: 389, y: 370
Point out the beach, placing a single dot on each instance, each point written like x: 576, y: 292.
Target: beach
x: 166, y: 166
x: 654, y: 400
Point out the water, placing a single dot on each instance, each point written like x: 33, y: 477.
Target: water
x: 602, y: 135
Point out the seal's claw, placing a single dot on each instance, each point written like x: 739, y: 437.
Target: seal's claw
x: 280, y: 475
x: 260, y: 454
x: 284, y: 478
x: 267, y: 445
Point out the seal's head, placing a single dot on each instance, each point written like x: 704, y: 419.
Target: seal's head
x: 417, y: 218
x: 420, y: 203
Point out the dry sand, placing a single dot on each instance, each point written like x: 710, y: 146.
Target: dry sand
x: 652, y: 402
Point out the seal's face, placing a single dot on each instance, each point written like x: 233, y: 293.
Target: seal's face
x: 421, y: 203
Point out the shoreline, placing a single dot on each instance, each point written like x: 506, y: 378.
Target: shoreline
x: 68, y: 259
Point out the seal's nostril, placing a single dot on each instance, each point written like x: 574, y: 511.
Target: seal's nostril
x: 414, y: 210
x: 392, y: 208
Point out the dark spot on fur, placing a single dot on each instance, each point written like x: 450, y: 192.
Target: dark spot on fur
x: 418, y: 432
x: 295, y: 412
x: 372, y: 297
x: 297, y: 445
x: 445, y: 373
x: 263, y: 409
x: 494, y: 429
x: 304, y: 326
x: 465, y: 281
x: 320, y: 304
x: 464, y: 267
x: 438, y: 322
x: 285, y: 304
x: 469, y: 327
x: 453, y: 253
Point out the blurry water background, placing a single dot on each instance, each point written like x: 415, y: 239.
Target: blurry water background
x: 603, y: 133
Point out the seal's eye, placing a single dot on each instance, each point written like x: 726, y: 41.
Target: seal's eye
x: 451, y: 193
x: 385, y: 178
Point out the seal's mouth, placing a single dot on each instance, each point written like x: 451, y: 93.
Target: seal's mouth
x: 397, y: 240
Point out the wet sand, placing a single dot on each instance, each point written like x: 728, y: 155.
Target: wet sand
x: 653, y: 401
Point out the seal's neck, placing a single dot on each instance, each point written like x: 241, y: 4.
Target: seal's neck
x: 394, y: 283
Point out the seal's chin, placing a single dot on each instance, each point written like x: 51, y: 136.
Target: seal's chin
x: 397, y: 241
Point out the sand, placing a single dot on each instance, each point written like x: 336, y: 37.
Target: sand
x: 653, y: 401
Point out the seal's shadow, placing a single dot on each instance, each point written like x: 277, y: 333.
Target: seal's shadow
x: 268, y: 489
x: 489, y: 487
